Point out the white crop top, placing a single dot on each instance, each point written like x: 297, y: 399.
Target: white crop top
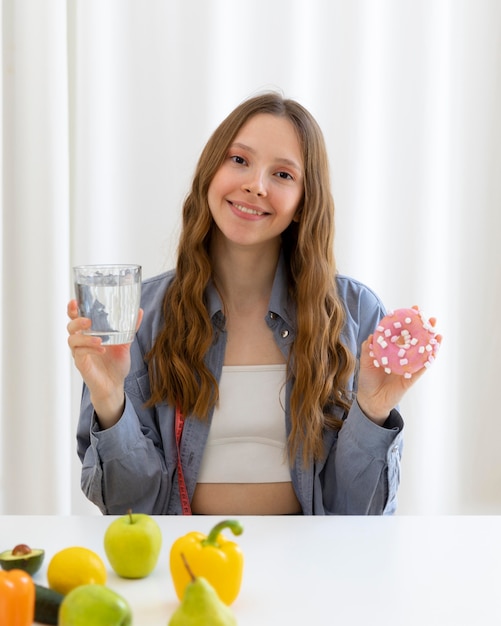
x: 247, y: 439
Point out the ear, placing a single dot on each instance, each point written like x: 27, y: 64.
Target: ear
x: 297, y: 214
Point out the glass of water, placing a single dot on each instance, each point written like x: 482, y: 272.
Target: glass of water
x: 109, y: 295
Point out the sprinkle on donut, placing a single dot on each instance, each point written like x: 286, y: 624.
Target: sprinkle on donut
x: 404, y: 342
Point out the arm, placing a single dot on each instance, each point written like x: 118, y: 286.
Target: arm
x: 103, y: 368
x: 362, y: 473
x: 124, y: 466
x: 127, y: 450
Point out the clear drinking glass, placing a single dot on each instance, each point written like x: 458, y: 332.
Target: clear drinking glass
x: 109, y: 295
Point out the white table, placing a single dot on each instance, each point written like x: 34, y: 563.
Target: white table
x: 316, y: 570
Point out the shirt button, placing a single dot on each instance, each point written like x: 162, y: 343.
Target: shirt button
x: 285, y: 333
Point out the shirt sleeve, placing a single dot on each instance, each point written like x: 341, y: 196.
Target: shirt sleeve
x: 363, y: 474
x: 122, y: 468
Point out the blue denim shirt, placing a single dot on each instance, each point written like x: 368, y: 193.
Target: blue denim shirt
x: 133, y: 464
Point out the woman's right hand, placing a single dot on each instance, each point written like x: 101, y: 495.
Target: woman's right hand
x: 103, y: 368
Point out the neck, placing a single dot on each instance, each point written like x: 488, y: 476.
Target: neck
x: 244, y: 277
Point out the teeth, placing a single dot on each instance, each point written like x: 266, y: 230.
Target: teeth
x: 246, y: 210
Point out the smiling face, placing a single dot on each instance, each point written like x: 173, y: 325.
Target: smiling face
x: 256, y: 192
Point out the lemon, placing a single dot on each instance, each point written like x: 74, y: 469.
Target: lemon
x: 75, y: 566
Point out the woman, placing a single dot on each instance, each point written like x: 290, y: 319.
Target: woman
x: 256, y: 340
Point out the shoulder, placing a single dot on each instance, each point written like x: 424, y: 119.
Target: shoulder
x: 364, y: 309
x: 153, y: 291
x: 356, y: 294
x: 152, y: 296
x: 154, y: 288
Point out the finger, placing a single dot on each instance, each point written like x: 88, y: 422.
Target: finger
x: 82, y: 345
x: 416, y: 376
x: 80, y: 340
x: 78, y: 325
x: 139, y: 319
x: 72, y: 309
x: 365, y: 348
x: 367, y: 343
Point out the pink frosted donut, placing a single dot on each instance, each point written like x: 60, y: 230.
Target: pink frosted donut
x: 403, y: 343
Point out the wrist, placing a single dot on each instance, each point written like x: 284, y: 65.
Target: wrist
x: 374, y: 414
x: 108, y: 411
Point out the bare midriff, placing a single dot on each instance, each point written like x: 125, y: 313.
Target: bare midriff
x: 245, y: 499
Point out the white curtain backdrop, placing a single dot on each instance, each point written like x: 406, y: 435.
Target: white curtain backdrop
x: 106, y: 105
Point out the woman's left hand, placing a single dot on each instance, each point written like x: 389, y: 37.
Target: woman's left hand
x: 379, y: 392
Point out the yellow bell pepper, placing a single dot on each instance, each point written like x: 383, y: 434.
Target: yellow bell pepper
x: 17, y: 598
x: 213, y: 557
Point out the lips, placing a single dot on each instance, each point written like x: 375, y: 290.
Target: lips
x: 247, y: 210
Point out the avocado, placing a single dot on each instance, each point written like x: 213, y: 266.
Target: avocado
x: 22, y: 557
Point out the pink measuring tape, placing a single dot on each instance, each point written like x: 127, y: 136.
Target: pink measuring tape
x: 183, y: 492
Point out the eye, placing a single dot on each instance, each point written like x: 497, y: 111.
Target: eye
x: 239, y: 160
x: 285, y: 175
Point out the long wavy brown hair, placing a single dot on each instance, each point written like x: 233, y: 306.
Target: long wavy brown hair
x: 319, y: 363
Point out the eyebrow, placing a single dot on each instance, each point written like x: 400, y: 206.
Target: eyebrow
x: 283, y: 160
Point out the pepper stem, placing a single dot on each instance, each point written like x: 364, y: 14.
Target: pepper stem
x: 234, y: 525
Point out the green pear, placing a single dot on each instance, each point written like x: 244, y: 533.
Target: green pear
x: 201, y: 605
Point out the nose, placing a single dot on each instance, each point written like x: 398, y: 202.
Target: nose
x: 255, y: 186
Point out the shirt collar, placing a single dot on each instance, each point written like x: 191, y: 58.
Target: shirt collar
x: 280, y: 301
x: 214, y: 303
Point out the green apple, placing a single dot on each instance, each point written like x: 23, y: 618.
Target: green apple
x: 94, y: 604
x: 132, y: 544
